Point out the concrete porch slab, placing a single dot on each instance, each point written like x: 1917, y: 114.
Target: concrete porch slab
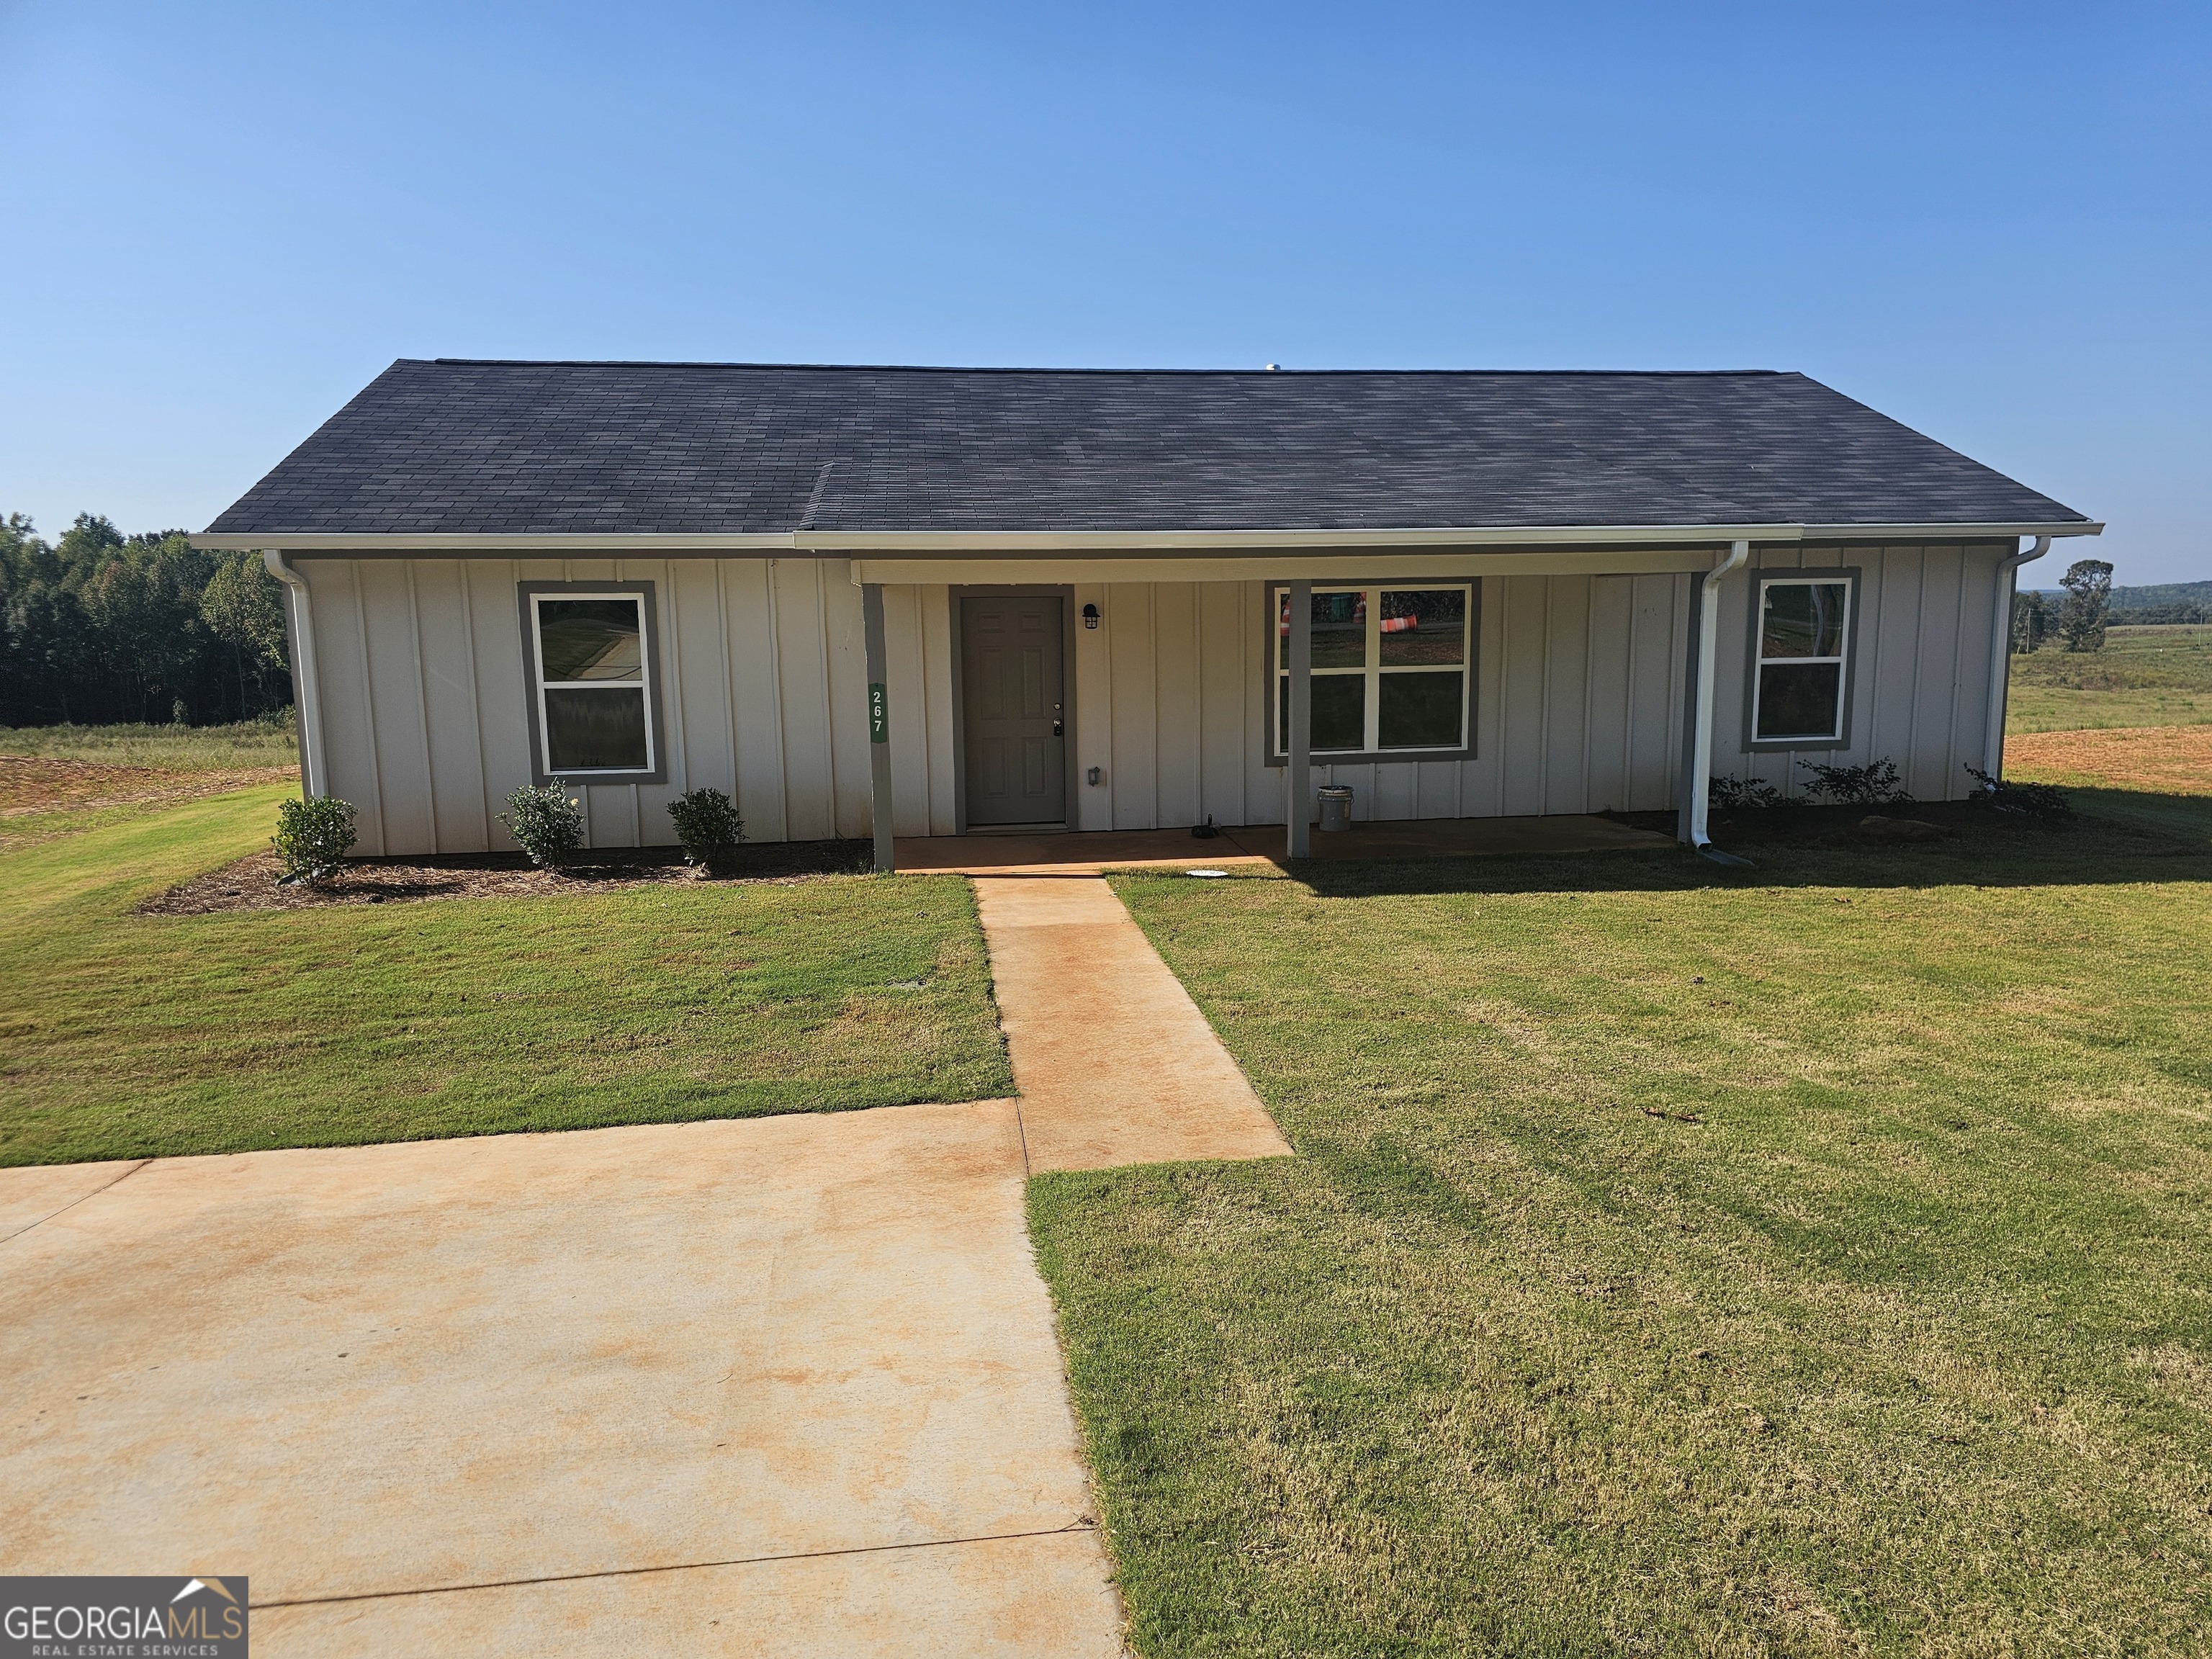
x: 1089, y: 853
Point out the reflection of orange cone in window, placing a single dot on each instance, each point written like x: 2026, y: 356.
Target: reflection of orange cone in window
x: 1400, y: 624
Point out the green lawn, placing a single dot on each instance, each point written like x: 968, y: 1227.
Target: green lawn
x: 2143, y: 676
x: 1813, y: 1258
x: 127, y: 1036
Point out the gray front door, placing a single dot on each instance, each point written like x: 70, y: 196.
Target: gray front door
x: 1014, y: 699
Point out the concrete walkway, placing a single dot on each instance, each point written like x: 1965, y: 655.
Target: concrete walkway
x: 1114, y: 1062
x: 783, y: 1385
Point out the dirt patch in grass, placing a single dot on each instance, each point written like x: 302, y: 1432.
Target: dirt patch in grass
x: 250, y: 883
x: 2166, y: 759
x: 30, y: 783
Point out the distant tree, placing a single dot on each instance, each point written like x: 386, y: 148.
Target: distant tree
x: 243, y: 605
x: 2031, y: 621
x: 2089, y: 585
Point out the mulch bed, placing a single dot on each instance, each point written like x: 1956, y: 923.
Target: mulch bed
x: 250, y: 883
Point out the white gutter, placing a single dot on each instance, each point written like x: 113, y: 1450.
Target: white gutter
x: 314, y: 779
x: 2000, y: 654
x: 1699, y: 783
x: 1014, y: 542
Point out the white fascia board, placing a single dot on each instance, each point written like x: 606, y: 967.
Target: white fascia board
x: 988, y: 544
x: 1942, y: 532
x: 1388, y: 564
x: 369, y: 547
x: 1016, y: 543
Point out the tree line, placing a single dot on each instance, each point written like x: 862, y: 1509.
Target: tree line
x: 98, y: 626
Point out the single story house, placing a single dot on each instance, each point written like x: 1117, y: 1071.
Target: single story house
x: 943, y: 602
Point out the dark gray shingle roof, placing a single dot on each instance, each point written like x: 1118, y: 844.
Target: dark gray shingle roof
x: 468, y: 447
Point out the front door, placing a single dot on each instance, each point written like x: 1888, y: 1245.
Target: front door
x: 1014, y: 700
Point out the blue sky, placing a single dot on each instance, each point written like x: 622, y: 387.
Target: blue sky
x: 1992, y: 222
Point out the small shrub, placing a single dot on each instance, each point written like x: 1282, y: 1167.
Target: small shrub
x: 708, y: 825
x: 2041, y: 801
x: 1738, y: 795
x: 1875, y: 784
x: 312, y: 840
x: 546, y: 822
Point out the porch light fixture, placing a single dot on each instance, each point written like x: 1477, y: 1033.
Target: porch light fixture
x: 1091, y: 616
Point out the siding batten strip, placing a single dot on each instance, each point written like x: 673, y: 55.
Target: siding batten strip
x: 467, y: 569
x: 775, y: 690
x: 368, y: 697
x: 422, y: 708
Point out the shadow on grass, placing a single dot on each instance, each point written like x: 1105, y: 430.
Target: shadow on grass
x: 2116, y: 838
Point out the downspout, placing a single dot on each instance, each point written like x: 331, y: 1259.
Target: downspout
x: 2000, y: 653
x: 1697, y: 782
x: 315, y: 778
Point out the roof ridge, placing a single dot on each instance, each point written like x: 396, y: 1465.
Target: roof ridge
x: 1005, y: 369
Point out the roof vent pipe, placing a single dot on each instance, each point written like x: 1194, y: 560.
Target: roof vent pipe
x: 2000, y: 654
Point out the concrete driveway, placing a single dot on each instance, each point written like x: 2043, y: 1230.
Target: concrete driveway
x: 786, y: 1386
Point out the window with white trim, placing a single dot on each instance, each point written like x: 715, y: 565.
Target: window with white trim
x: 594, y: 686
x: 1804, y: 642
x: 1390, y: 669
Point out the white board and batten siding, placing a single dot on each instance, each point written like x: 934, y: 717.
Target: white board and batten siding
x: 1578, y: 697
x: 1920, y: 681
x: 425, y: 721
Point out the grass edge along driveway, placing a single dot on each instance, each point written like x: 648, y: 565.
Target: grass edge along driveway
x: 1811, y: 1261
x: 125, y: 1036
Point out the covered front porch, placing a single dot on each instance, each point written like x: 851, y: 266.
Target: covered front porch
x: 1090, y: 711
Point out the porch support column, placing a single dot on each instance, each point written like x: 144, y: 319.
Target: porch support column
x: 1297, y: 773
x: 879, y: 733
x: 1697, y: 722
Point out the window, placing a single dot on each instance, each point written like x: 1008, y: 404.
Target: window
x: 1804, y: 630
x: 1389, y: 669
x: 593, y: 690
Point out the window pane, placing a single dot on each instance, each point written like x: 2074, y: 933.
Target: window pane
x: 1421, y: 626
x: 590, y: 640
x: 1803, y: 619
x: 1800, y: 700
x: 591, y: 730
x: 1419, y: 711
x: 1340, y: 630
x: 1339, y: 638
x: 1340, y: 712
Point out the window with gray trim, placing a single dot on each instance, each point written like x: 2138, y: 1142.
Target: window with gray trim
x: 1801, y: 677
x: 593, y: 683
x: 1390, y: 669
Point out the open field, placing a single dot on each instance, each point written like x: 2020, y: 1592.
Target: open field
x: 1810, y: 1259
x: 63, y: 780
x: 2158, y: 778
x: 2143, y: 676
x: 124, y: 1035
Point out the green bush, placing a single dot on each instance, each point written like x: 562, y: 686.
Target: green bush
x: 1737, y: 794
x: 546, y: 822
x: 708, y: 825
x: 1875, y: 784
x: 312, y: 840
